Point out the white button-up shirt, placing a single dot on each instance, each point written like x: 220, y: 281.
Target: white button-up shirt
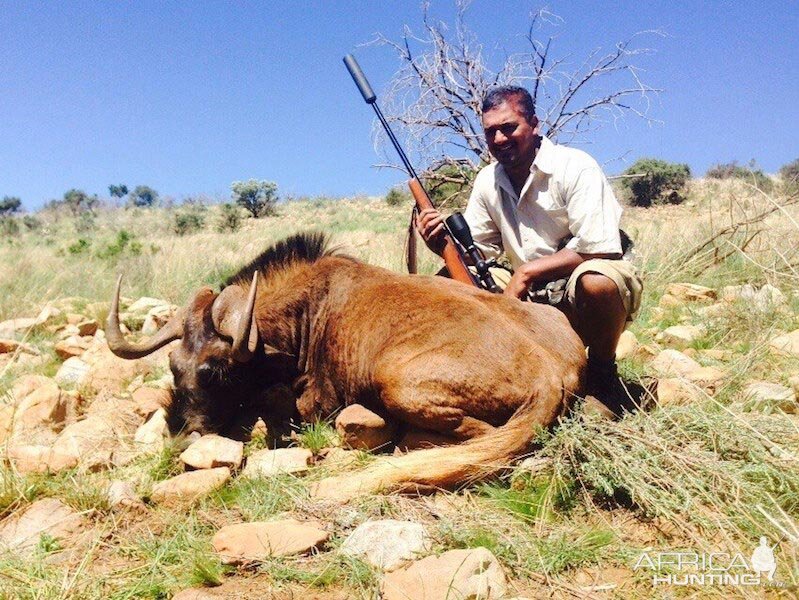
x: 565, y: 197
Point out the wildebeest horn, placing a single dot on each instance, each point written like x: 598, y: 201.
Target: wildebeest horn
x: 173, y: 330
x: 234, y: 319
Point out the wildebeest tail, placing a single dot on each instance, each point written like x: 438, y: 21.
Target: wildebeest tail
x: 449, y: 466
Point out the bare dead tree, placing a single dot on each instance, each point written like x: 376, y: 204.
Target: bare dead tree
x: 435, y: 97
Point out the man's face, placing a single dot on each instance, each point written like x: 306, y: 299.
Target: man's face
x: 511, y: 138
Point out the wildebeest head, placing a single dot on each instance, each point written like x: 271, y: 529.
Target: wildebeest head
x: 218, y: 367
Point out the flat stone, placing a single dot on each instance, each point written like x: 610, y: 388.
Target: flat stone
x: 769, y: 297
x: 674, y: 363
x: 122, y: 495
x: 731, y: 293
x: 251, y: 542
x: 794, y: 383
x: 767, y: 396
x: 41, y: 459
x: 673, y: 391
x: 45, y: 406
x: 21, y: 533
x: 668, y: 301
x: 150, y: 438
x: 87, y: 327
x: 213, y: 451
x: 362, y: 429
x: 680, y: 336
x: 157, y: 317
x: 387, y: 544
x: 627, y: 346
x: 188, y: 487
x: 96, y: 440
x: 144, y: 304
x: 8, y: 346
x: 71, y: 346
x: 691, y: 292
x: 473, y: 573
x: 147, y: 400
x: 72, y: 372
x: 266, y: 463
x: 786, y: 344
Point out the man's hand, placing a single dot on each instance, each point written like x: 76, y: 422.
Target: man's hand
x: 430, y: 225
x: 521, y: 281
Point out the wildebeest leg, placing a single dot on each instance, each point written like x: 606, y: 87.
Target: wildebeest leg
x: 315, y: 400
x: 421, y: 410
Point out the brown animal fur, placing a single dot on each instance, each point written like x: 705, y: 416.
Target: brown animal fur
x: 425, y: 351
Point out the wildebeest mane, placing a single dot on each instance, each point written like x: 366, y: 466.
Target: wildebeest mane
x: 304, y: 247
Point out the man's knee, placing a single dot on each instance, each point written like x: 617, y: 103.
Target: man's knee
x: 594, y: 287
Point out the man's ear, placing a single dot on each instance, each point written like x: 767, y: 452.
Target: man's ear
x: 536, y: 125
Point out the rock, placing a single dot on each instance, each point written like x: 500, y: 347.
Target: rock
x: 71, y: 346
x: 473, y: 573
x: 122, y: 495
x: 150, y: 438
x: 668, y: 301
x: 266, y: 463
x: 144, y: 304
x: 714, y: 311
x: 248, y: 542
x: 690, y: 292
x: 731, y: 293
x: 45, y: 406
x: 157, y: 317
x: 111, y: 373
x: 214, y: 451
x: 96, y: 440
x: 41, y: 459
x: 769, y: 297
x: 75, y: 318
x: 68, y: 331
x: 674, y: 363
x: 147, y: 400
x: 9, y: 346
x: 680, y: 336
x: 21, y: 533
x: 87, y: 327
x: 188, y: 487
x: 387, y: 544
x: 72, y: 373
x: 673, y: 391
x: 198, y: 594
x: 627, y: 346
x: 339, y: 458
x: 794, y: 383
x: 719, y: 354
x: 766, y: 396
x: 362, y: 429
x: 786, y: 344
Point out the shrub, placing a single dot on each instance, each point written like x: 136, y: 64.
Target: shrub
x: 85, y: 222
x: 124, y: 241
x: 732, y: 170
x: 79, y: 246
x: 9, y: 205
x: 790, y: 175
x: 9, y: 226
x: 143, y: 196
x: 397, y: 196
x: 229, y: 218
x: 257, y: 197
x: 78, y: 201
x: 660, y: 182
x: 31, y: 222
x: 118, y: 191
x: 188, y: 221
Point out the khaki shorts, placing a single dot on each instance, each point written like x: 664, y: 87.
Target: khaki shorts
x: 622, y: 272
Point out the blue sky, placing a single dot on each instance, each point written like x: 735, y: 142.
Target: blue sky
x: 189, y: 96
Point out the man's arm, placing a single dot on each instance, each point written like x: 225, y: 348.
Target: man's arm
x: 547, y: 268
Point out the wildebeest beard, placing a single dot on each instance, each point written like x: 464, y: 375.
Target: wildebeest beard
x: 232, y: 398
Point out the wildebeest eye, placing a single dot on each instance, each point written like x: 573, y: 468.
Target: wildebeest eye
x: 205, y: 375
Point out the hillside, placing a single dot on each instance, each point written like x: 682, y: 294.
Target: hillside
x: 711, y: 469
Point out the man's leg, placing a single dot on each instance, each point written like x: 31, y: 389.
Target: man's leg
x: 600, y: 315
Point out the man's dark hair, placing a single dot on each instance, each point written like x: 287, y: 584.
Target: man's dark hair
x: 498, y: 95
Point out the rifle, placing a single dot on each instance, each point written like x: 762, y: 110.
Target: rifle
x: 458, y: 239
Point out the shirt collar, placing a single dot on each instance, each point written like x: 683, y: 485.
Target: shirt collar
x: 545, y: 158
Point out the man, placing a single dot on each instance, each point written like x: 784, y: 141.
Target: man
x: 551, y: 210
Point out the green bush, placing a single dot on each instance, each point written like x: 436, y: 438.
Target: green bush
x: 257, y: 197
x: 79, y: 246
x: 188, y: 221
x: 85, y: 222
x: 449, y: 185
x: 143, y: 196
x: 9, y: 226
x: 9, y: 205
x: 229, y: 219
x: 32, y: 222
x: 398, y: 196
x: 652, y: 181
x: 732, y: 170
x: 124, y: 242
x: 790, y: 175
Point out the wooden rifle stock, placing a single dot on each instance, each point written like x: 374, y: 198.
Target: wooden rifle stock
x: 453, y: 259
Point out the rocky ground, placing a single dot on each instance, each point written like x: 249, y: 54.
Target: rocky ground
x: 99, y: 501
